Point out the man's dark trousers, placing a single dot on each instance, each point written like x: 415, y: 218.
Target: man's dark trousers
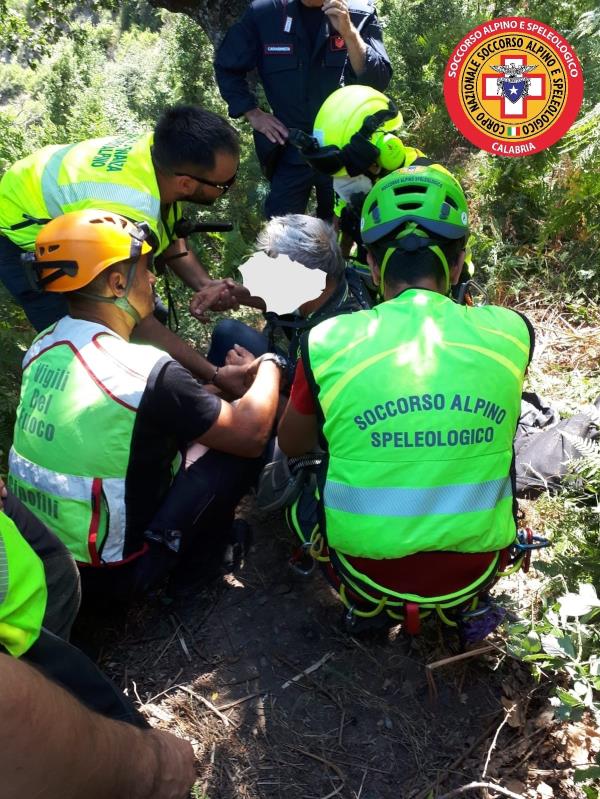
x: 291, y: 185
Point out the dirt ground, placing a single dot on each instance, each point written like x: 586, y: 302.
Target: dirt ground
x: 281, y: 702
x: 370, y: 722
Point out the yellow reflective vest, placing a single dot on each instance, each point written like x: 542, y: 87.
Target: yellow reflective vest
x: 113, y: 174
x: 22, y: 590
x: 419, y: 401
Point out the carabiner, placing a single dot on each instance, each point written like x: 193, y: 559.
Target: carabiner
x: 300, y: 557
x: 527, y: 541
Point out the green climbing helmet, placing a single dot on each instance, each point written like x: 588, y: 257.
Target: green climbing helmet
x: 428, y: 195
x: 360, y: 110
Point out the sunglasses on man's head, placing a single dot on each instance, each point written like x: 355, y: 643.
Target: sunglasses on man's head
x: 225, y: 186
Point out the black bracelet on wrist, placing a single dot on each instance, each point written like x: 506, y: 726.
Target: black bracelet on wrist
x: 176, y: 256
x: 213, y: 379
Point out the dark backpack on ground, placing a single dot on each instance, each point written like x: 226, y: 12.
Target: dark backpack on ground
x: 545, y: 444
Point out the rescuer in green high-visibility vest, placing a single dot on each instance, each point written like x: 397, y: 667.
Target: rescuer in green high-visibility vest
x: 22, y: 590
x: 191, y: 156
x: 102, y: 422
x: 56, y: 706
x: 39, y: 582
x: 356, y: 139
x: 416, y: 403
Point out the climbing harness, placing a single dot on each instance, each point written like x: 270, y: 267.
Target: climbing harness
x: 469, y: 611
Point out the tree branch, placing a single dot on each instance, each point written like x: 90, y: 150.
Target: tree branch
x: 213, y: 16
x: 489, y: 785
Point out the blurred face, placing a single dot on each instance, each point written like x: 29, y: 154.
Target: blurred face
x: 203, y: 193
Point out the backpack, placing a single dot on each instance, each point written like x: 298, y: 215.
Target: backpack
x: 545, y: 444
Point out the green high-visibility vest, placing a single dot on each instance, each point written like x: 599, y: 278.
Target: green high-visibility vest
x: 82, y: 385
x: 113, y: 174
x: 23, y: 592
x: 419, y: 400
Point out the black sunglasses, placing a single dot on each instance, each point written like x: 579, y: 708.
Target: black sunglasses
x: 225, y: 186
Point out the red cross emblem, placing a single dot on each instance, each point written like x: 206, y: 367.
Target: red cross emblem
x: 518, y: 109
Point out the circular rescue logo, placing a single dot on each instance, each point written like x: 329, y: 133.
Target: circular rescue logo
x: 513, y: 86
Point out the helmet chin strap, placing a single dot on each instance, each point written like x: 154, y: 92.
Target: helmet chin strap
x: 120, y: 302
x: 411, y: 239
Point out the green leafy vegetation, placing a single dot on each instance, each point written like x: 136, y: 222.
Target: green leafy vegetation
x: 15, y: 337
x: 563, y: 633
x: 565, y: 638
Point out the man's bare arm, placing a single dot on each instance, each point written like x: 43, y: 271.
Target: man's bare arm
x: 52, y: 747
x: 244, y: 428
x: 210, y: 293
x: 151, y: 331
x: 186, y: 265
x: 297, y: 433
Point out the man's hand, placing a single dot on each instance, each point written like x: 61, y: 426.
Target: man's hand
x: 3, y: 491
x: 252, y: 369
x: 222, y: 295
x: 339, y: 16
x: 175, y: 772
x: 269, y: 125
x: 238, y: 356
x: 231, y: 379
x: 216, y: 295
x: 244, y: 297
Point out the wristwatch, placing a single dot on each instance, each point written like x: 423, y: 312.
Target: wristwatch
x: 278, y: 360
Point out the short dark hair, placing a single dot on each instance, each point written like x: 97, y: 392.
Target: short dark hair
x: 411, y: 267
x: 189, y: 136
x: 96, y: 285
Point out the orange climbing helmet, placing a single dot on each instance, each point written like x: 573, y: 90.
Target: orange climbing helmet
x: 71, y: 250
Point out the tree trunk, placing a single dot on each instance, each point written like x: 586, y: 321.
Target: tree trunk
x: 213, y: 16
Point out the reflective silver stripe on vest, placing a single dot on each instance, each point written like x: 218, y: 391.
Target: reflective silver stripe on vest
x: 110, y: 192
x: 114, y: 493
x: 106, y: 360
x: 49, y: 181
x: 56, y: 195
x: 68, y: 486
x: 3, y: 571
x: 449, y: 499
x: 73, y: 487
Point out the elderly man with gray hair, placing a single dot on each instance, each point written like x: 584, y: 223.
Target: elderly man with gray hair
x: 313, y: 243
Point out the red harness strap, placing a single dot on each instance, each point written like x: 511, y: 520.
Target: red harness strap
x: 412, y: 618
